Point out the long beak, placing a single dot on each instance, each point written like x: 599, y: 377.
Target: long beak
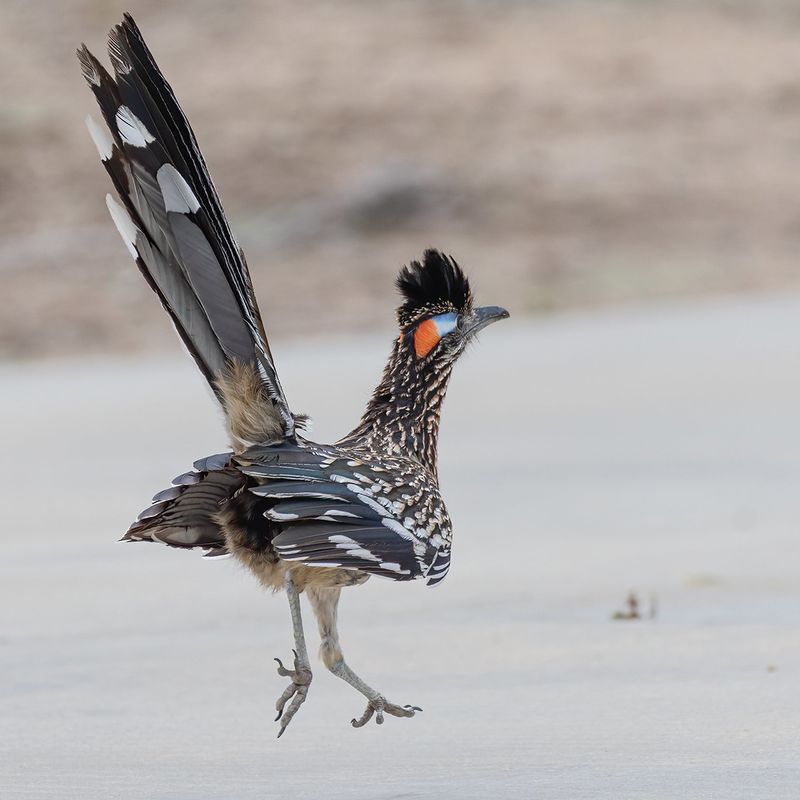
x: 481, y: 317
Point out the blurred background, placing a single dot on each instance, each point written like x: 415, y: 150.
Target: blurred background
x: 620, y: 459
x: 569, y: 154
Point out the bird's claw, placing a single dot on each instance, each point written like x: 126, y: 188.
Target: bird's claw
x: 379, y: 705
x: 297, y: 691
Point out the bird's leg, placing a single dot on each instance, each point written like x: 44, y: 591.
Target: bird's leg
x: 324, y: 601
x: 301, y: 674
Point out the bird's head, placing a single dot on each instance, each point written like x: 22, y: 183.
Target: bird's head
x: 437, y: 320
x: 437, y: 317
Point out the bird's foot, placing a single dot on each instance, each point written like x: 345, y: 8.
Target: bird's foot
x: 378, y: 706
x: 297, y: 690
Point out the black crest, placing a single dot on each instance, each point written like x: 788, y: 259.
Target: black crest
x: 435, y: 285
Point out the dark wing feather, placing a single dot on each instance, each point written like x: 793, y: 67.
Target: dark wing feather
x: 369, y: 547
x: 332, y: 509
x: 306, y: 508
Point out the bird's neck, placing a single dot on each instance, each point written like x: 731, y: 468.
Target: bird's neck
x: 402, y: 417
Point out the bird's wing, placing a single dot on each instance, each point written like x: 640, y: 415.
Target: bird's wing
x: 336, y: 510
x: 171, y: 217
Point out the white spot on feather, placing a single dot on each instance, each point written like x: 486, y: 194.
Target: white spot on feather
x: 352, y: 547
x: 393, y: 566
x: 132, y: 129
x: 337, y: 512
x: 373, y: 504
x: 127, y: 230
x: 178, y: 195
x: 286, y: 551
x: 359, y: 552
x: 101, y: 138
x: 396, y: 527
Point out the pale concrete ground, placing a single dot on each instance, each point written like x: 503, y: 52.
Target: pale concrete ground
x: 582, y: 457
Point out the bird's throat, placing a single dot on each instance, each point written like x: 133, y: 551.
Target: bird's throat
x: 402, y: 417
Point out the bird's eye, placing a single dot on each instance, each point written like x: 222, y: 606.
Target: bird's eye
x: 446, y: 323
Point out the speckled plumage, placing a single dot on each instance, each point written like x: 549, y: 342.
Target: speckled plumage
x: 300, y: 515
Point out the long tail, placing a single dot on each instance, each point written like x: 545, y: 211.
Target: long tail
x: 172, y: 222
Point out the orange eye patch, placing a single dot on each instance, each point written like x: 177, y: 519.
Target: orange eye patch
x: 426, y: 337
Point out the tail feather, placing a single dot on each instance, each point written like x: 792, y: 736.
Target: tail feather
x: 177, y: 297
x: 173, y: 224
x: 185, y: 514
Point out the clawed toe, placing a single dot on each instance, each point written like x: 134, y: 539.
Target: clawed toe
x: 380, y: 705
x: 296, y: 691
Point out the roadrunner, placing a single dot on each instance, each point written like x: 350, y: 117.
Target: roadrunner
x: 302, y: 516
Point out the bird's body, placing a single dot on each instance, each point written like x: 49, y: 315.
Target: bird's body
x: 302, y: 516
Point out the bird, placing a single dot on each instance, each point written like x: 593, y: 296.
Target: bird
x: 302, y: 516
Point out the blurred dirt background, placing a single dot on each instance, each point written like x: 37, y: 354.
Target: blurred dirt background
x: 568, y: 154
